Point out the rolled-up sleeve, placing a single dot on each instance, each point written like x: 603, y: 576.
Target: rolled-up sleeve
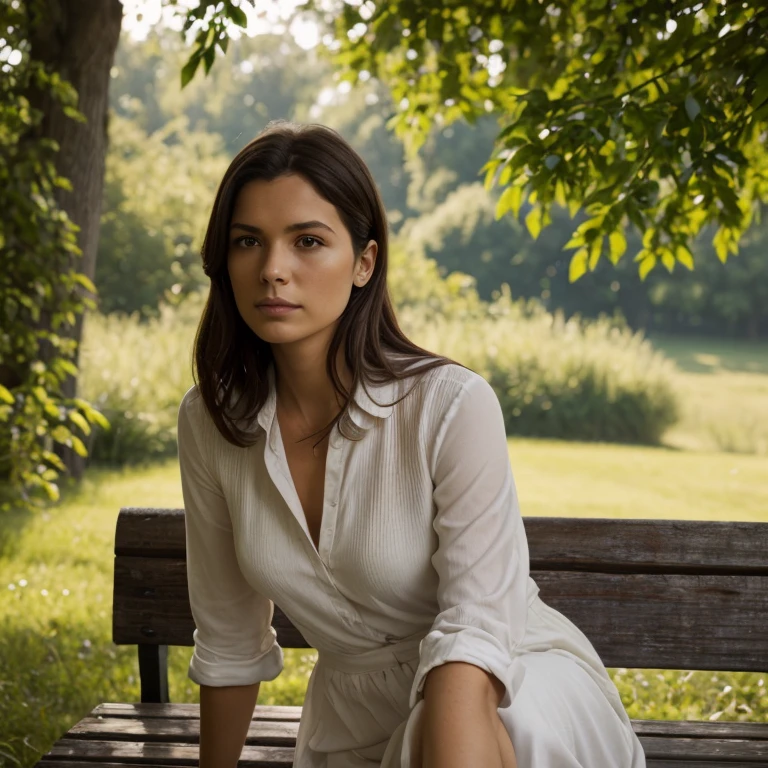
x: 235, y: 643
x: 482, y: 555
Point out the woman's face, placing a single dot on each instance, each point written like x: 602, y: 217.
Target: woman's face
x: 287, y: 241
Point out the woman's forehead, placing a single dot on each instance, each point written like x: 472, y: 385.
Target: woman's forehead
x: 284, y: 200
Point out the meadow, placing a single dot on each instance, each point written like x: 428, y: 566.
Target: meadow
x: 58, y: 660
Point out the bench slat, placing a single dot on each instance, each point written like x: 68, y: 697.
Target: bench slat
x: 75, y: 763
x: 555, y: 543
x: 719, y: 729
x: 181, y: 754
x: 147, y: 710
x: 651, y: 764
x: 153, y: 729
x: 688, y: 749
x: 639, y: 620
x: 658, y: 750
x: 284, y: 732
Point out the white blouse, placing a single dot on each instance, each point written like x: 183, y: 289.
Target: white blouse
x: 422, y: 559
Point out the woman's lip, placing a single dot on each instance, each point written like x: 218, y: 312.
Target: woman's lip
x: 275, y: 309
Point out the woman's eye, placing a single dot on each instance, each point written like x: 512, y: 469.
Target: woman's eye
x: 308, y: 237
x: 246, y: 241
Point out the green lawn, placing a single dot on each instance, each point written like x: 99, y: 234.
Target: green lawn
x: 556, y: 478
x: 57, y: 659
x: 724, y: 390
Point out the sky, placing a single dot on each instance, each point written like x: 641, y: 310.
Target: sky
x: 141, y: 15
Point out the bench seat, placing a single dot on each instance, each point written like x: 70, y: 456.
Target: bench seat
x: 150, y: 735
x: 653, y: 594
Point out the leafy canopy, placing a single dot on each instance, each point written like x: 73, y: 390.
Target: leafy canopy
x: 651, y: 115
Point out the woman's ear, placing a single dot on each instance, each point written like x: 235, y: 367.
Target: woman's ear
x: 366, y: 263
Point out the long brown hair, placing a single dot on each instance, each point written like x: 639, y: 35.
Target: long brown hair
x: 231, y: 360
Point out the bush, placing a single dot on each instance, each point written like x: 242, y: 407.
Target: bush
x: 136, y: 373
x: 572, y: 380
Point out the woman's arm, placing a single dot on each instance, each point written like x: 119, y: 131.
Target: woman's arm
x: 460, y: 718
x: 225, y: 714
x: 483, y: 573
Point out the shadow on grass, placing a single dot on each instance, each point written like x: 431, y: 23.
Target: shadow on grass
x: 17, y: 518
x: 704, y: 355
x: 53, y: 675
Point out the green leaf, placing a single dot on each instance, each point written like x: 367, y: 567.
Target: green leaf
x: 720, y: 241
x: 237, y: 15
x: 208, y: 57
x: 85, y: 281
x: 79, y: 447
x: 575, y: 242
x: 52, y: 458
x: 514, y: 199
x: 75, y: 114
x: 533, y: 221
x: 594, y: 252
x: 668, y: 259
x: 692, y: 107
x: 6, y: 395
x: 61, y: 434
x: 618, y: 244
x: 76, y: 418
x: 646, y: 265
x: 578, y: 265
x: 684, y: 256
x: 189, y: 69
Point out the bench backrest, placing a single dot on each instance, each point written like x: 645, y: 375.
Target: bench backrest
x: 666, y: 594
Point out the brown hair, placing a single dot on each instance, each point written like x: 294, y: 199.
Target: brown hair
x: 229, y: 357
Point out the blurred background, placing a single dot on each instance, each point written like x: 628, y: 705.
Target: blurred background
x: 624, y: 394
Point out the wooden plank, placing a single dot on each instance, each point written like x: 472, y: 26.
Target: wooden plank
x: 555, y: 543
x: 147, y: 710
x: 289, y: 714
x: 647, y: 546
x: 701, y: 763
x: 76, y: 763
x: 701, y: 729
x: 186, y: 730
x: 705, y: 749
x: 678, y: 621
x: 138, y: 753
x: 151, y: 605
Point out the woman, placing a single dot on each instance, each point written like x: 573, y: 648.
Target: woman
x: 393, y: 542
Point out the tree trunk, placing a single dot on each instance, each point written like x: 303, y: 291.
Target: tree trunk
x: 77, y: 39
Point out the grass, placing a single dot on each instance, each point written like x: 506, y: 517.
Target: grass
x: 556, y: 478
x: 58, y: 661
x: 724, y: 384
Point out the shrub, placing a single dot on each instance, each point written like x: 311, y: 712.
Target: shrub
x: 137, y: 372
x: 572, y: 380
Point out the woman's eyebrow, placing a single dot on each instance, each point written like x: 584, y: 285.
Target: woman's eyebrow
x: 290, y: 228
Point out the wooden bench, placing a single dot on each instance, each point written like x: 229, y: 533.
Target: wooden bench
x: 648, y: 593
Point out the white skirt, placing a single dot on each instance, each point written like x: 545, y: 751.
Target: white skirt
x: 566, y: 713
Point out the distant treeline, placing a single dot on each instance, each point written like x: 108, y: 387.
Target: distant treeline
x: 169, y: 148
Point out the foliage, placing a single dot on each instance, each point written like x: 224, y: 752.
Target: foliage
x: 137, y: 372
x: 555, y: 378
x: 646, y: 115
x: 38, y: 288
x: 158, y: 191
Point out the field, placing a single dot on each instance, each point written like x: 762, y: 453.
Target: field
x: 58, y: 661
